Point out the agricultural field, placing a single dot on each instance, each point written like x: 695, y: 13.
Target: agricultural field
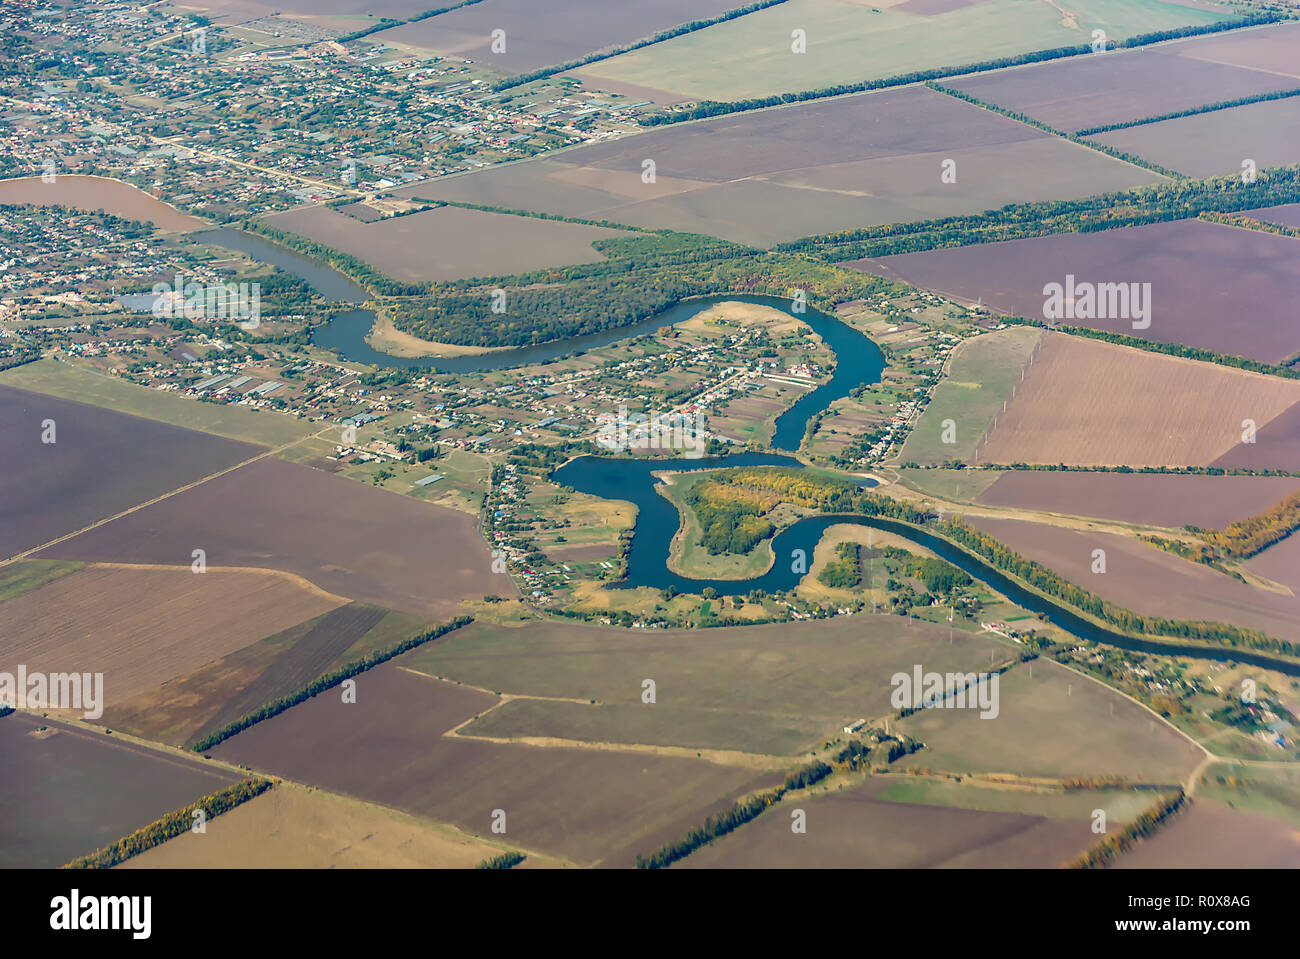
x: 69, y: 791
x: 857, y: 828
x: 773, y: 175
x: 1090, y: 91
x: 982, y: 374
x: 449, y: 243
x: 191, y: 707
x: 752, y: 56
x: 1280, y: 563
x: 1210, y: 502
x: 369, y: 545
x: 1217, y: 143
x: 1214, y: 287
x: 93, y: 463
x: 65, y: 381
x: 1121, y: 805
x: 770, y: 689
x: 952, y: 485
x: 560, y: 32
x: 93, y: 193
x: 1288, y: 214
x: 1053, y: 723
x: 1276, y: 446
x: 142, y: 627
x: 390, y: 747
x: 1213, y: 835
x: 1087, y: 403
x: 1148, y: 580
x: 294, y: 827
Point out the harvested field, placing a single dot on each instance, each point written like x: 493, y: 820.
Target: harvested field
x: 291, y: 827
x: 581, y: 804
x: 1280, y: 563
x: 1288, y: 214
x: 449, y: 243
x: 1090, y: 91
x: 1214, y: 287
x: 62, y: 379
x: 1121, y: 805
x: 1148, y: 580
x: 1213, y: 144
x: 143, y: 627
x: 1212, y: 835
x: 982, y: 373
x: 69, y: 792
x: 1053, y: 723
x: 686, y: 726
x: 98, y: 193
x: 751, y: 56
x: 1211, y: 502
x: 353, y: 540
x: 765, y: 689
x: 1276, y: 446
x: 191, y: 707
x: 99, y: 464
x: 1272, y: 48
x: 853, y: 829
x: 545, y: 35
x: 1084, y: 402
x: 773, y: 175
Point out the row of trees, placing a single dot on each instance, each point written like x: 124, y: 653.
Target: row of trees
x: 172, y: 825
x: 1139, y: 829
x: 1155, y: 203
x: 741, y: 812
x: 1190, y: 111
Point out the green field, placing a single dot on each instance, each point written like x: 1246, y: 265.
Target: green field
x: 982, y: 372
x: 29, y: 574
x: 1121, y: 805
x: 757, y: 688
x: 955, y: 486
x: 64, y: 380
x: 1273, y: 790
x: 850, y: 41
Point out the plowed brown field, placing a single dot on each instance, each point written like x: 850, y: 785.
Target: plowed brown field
x: 1089, y: 403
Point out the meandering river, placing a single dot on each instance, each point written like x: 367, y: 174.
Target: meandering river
x: 858, y: 362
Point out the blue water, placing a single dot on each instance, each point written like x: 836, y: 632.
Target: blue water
x: 858, y: 362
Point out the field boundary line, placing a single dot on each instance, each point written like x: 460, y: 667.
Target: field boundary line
x: 294, y: 578
x: 157, y: 499
x: 721, y: 757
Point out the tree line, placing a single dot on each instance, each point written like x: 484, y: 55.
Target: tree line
x: 172, y: 825
x: 741, y: 812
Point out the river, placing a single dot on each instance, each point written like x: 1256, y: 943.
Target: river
x: 858, y: 362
